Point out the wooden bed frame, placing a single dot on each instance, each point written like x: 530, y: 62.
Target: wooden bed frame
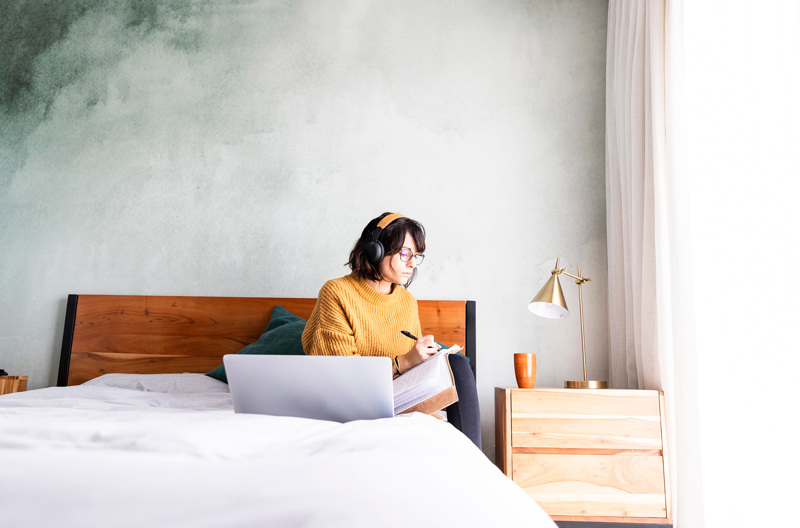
x: 161, y: 334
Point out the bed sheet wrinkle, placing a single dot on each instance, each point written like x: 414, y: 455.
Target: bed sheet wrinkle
x: 114, y: 456
x: 279, y: 491
x: 185, y: 383
x: 113, y: 398
x: 209, y: 434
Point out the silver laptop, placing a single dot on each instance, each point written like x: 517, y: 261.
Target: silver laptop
x: 336, y: 388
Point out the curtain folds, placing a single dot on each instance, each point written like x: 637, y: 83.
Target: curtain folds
x: 703, y: 122
x: 635, y: 137
x: 650, y: 306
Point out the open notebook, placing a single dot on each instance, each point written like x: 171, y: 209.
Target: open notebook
x: 428, y: 387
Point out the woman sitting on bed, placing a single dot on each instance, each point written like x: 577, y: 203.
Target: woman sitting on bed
x: 363, y: 313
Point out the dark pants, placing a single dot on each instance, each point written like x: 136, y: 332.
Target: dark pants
x: 465, y: 414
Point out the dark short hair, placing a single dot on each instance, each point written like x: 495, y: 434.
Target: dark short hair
x: 392, y: 238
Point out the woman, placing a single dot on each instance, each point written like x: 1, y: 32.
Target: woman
x: 363, y: 313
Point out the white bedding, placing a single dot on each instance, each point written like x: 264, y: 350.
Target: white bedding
x: 168, y: 451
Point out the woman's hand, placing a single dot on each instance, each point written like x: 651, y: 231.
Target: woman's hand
x: 423, y: 348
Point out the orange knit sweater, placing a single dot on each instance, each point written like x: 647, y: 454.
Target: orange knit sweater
x: 350, y: 318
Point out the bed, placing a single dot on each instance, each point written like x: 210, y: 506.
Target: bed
x: 135, y: 434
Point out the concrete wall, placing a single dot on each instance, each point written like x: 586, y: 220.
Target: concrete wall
x: 238, y: 148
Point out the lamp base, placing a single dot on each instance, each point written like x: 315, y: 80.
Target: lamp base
x: 585, y: 384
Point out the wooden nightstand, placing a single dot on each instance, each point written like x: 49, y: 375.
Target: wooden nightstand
x: 9, y: 384
x: 587, y: 455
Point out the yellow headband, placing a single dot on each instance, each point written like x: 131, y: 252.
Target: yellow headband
x: 388, y: 219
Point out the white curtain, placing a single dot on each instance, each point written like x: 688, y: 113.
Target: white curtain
x: 634, y: 154
x: 703, y: 173
x: 651, y: 333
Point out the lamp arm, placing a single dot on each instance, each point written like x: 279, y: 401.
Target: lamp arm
x: 578, y: 280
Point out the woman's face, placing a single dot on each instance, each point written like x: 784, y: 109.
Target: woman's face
x: 394, y: 270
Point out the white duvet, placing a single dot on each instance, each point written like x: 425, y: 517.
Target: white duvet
x: 168, y: 451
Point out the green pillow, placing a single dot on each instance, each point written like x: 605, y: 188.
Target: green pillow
x: 281, y: 337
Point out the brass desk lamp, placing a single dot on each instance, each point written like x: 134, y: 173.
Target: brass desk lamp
x: 550, y: 303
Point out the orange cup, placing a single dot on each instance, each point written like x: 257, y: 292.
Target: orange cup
x: 525, y: 369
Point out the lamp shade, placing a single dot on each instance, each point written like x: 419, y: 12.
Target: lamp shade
x: 550, y: 302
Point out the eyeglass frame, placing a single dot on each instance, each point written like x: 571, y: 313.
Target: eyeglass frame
x: 418, y: 257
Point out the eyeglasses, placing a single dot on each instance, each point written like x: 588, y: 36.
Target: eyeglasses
x: 406, y: 254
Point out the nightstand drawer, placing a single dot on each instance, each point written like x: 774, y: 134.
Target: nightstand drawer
x: 605, y: 419
x: 594, y: 485
x: 587, y: 455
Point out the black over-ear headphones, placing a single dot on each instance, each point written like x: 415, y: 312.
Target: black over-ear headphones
x: 374, y: 249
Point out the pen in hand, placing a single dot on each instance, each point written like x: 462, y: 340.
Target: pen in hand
x: 411, y: 336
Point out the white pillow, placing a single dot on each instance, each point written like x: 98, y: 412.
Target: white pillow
x: 186, y: 383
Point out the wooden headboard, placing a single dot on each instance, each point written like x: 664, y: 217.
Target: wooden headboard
x: 160, y: 334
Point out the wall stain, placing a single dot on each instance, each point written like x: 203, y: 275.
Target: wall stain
x: 28, y: 28
x: 47, y: 47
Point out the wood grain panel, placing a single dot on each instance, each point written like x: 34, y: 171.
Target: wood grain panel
x: 665, y: 451
x: 502, y: 431
x: 159, y: 334
x: 445, y: 320
x: 138, y: 343
x: 9, y: 384
x: 604, y: 419
x: 179, y: 316
x: 166, y: 334
x: 622, y: 485
x: 86, y: 366
x: 595, y: 508
x: 614, y: 432
x: 587, y: 402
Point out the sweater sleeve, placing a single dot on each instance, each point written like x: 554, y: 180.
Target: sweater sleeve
x: 328, y: 332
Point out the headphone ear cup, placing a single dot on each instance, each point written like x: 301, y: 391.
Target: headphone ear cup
x: 374, y: 251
